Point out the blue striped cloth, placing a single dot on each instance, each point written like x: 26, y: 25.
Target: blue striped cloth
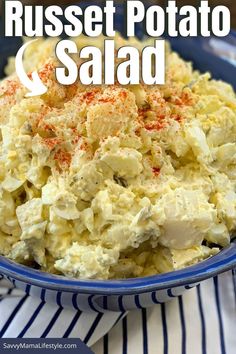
x: 202, y: 321
x: 23, y: 316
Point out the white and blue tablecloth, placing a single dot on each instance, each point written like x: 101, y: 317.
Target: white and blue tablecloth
x: 201, y: 321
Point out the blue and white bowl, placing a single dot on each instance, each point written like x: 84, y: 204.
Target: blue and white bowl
x: 122, y: 295
x: 115, y: 295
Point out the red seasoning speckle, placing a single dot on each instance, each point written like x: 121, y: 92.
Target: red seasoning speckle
x: 184, y: 100
x: 156, y: 171
x: 46, y: 71
x: 51, y: 143
x: 63, y: 158
x: 10, y: 88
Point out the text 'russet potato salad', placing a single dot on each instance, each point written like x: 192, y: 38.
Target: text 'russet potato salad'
x: 116, y: 181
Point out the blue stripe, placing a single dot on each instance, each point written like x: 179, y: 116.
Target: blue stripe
x: 58, y: 299
x: 137, y: 302
x: 9, y: 291
x: 145, y: 332
x: 75, y: 302
x: 189, y: 287
x: 52, y: 322
x: 72, y: 325
x: 92, y: 328
x: 203, y: 324
x: 30, y: 322
x: 27, y: 288
x: 217, y: 298
x: 42, y: 295
x: 120, y: 303
x: 183, y: 325
x: 154, y: 298
x: 105, y: 344
x: 13, y: 282
x: 234, y: 282
x: 13, y: 314
x: 169, y: 293
x: 9, y: 278
x: 164, y: 326
x: 119, y: 318
x: 124, y: 335
x: 90, y: 302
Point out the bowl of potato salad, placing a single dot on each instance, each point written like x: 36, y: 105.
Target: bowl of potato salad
x: 115, y: 196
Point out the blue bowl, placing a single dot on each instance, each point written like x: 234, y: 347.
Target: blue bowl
x: 122, y: 295
x: 115, y: 295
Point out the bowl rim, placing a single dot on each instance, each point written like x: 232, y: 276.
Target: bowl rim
x: 219, y: 263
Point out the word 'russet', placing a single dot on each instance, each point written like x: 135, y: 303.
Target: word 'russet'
x: 100, y: 67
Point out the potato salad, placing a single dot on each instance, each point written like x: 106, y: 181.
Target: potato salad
x: 104, y: 182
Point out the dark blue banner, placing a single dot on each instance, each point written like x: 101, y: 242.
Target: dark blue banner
x: 44, y: 345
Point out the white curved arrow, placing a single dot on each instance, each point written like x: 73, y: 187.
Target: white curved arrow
x: 35, y: 86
